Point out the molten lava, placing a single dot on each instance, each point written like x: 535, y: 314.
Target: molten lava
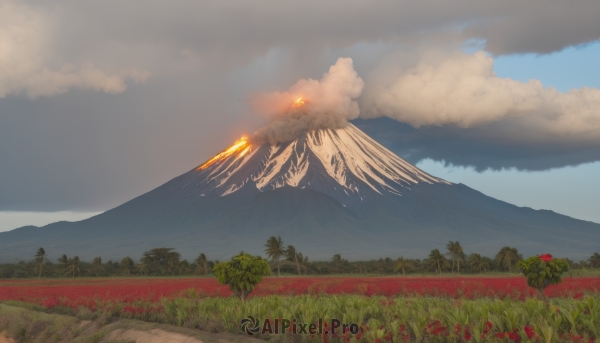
x: 240, y: 146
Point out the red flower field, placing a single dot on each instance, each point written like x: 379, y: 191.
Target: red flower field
x: 87, y: 292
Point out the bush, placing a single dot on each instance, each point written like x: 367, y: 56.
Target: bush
x: 242, y: 273
x: 543, y: 270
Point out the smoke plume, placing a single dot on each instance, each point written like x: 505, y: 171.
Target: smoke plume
x: 325, y: 103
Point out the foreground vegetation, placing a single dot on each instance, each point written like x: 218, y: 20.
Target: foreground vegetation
x: 390, y: 319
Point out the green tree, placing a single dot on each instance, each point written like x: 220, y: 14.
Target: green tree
x: 338, y: 264
x: 402, y: 264
x: 97, y: 267
x: 242, y: 273
x: 160, y: 261
x: 184, y: 267
x: 72, y: 265
x: 508, y: 258
x: 127, y: 266
x: 437, y: 260
x: 275, y: 250
x: 456, y: 253
x: 542, y: 271
x: 595, y: 260
x: 478, y: 263
x: 39, y: 260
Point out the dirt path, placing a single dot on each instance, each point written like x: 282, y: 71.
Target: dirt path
x: 152, y: 336
x: 38, y: 326
x: 3, y: 339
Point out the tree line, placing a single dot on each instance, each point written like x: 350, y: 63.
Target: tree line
x: 282, y: 259
x: 154, y: 262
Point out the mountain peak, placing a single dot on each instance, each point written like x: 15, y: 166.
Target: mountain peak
x: 344, y: 163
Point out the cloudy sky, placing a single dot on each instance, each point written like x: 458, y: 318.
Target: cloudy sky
x: 103, y: 101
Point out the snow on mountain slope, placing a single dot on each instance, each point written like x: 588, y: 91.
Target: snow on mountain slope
x: 343, y: 163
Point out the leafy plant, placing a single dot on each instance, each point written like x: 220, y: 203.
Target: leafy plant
x: 543, y: 270
x: 242, y: 273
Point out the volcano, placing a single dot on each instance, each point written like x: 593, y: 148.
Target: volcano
x: 329, y: 191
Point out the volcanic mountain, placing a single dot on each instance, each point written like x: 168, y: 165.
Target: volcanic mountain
x: 327, y: 192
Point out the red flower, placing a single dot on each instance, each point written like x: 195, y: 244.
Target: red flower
x: 514, y: 336
x: 546, y: 257
x: 529, y: 332
x: 467, y: 334
x: 488, y: 327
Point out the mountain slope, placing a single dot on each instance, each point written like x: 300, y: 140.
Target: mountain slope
x: 329, y: 191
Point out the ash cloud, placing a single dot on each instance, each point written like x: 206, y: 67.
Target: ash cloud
x: 326, y: 104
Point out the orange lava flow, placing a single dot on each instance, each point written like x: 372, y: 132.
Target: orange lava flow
x: 241, y: 145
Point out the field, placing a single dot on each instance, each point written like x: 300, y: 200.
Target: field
x: 385, y: 308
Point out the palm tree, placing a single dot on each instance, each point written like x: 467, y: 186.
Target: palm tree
x: 456, y: 252
x: 292, y: 256
x: 508, y: 257
x: 303, y: 262
x: 275, y: 250
x: 202, y: 263
x: 451, y: 248
x: 595, y: 260
x: 478, y: 263
x: 63, y: 261
x: 437, y: 260
x: 402, y: 264
x: 73, y: 264
x: 40, y: 259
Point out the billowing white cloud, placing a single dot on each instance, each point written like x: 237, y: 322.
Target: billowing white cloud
x: 28, y: 63
x: 462, y: 90
x: 311, y: 104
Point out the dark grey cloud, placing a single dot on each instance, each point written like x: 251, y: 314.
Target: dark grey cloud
x: 91, y: 151
x: 129, y: 94
x: 473, y: 147
x: 117, y: 35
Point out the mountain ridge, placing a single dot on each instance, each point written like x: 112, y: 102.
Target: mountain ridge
x: 352, y: 197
